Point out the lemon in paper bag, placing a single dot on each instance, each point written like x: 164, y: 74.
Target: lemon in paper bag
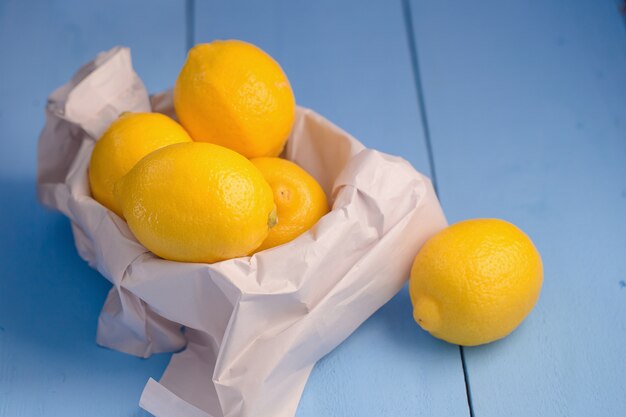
x: 197, y: 202
x: 233, y: 94
x: 128, y: 139
x: 300, y: 200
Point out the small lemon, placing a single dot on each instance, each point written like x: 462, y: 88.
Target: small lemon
x: 475, y: 281
x: 197, y: 202
x: 128, y: 139
x: 300, y: 201
x: 233, y: 94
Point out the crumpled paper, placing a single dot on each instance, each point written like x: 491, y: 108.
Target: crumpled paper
x: 252, y: 328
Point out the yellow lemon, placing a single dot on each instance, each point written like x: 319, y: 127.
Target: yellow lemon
x: 233, y: 94
x: 300, y: 201
x: 128, y: 139
x: 197, y: 202
x: 475, y: 281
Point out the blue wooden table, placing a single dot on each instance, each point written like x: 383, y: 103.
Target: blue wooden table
x: 516, y: 108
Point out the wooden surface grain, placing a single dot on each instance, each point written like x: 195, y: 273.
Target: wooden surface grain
x: 526, y: 102
x: 49, y: 298
x: 523, y: 105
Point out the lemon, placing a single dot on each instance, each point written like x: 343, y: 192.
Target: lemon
x: 128, y: 139
x: 300, y: 201
x: 197, y: 202
x: 475, y: 281
x: 233, y: 94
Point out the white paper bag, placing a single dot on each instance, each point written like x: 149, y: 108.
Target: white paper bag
x: 254, y: 326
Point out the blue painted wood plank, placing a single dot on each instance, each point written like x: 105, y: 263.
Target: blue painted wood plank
x: 350, y: 61
x: 526, y: 102
x: 354, y: 69
x: 44, y: 42
x: 49, y: 298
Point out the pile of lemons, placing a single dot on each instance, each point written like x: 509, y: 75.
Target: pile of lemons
x: 211, y: 187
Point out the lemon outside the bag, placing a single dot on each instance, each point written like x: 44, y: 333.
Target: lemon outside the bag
x: 475, y: 281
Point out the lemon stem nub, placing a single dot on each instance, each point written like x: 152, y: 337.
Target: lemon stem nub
x: 426, y: 313
x: 272, y: 220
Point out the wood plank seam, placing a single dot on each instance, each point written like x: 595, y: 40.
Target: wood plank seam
x: 305, y: 38
x: 408, y: 20
x: 421, y: 104
x: 468, y: 390
x: 553, y: 109
x: 190, y: 11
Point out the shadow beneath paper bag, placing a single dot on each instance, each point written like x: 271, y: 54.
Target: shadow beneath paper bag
x: 51, y: 294
x: 383, y: 357
x: 50, y: 300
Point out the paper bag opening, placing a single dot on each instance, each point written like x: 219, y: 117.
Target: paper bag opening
x: 252, y: 328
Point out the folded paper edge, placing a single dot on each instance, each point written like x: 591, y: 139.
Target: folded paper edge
x: 161, y: 402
